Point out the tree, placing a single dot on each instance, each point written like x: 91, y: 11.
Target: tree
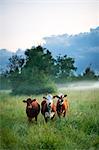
x: 16, y: 63
x: 89, y: 73
x: 35, y: 77
x: 38, y: 72
x: 39, y: 59
x: 64, y: 67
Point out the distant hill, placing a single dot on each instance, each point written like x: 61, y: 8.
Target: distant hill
x: 5, y: 55
x: 84, y: 47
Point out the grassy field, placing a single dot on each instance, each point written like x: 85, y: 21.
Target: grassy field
x: 79, y: 131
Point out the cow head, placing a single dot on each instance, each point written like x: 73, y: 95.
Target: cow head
x: 60, y: 98
x: 48, y: 99
x: 29, y: 102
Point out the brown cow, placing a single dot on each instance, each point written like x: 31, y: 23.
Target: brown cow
x: 48, y: 110
x: 62, y: 105
x: 32, y: 108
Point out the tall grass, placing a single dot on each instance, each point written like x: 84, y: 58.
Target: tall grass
x: 79, y: 131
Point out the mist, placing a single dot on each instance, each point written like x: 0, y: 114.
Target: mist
x: 83, y: 85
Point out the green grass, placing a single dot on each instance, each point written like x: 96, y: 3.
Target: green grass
x: 79, y: 131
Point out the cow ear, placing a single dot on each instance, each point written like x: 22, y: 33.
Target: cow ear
x: 24, y: 101
x: 54, y: 96
x: 33, y: 100
x: 44, y: 97
x: 65, y: 95
x: 58, y: 97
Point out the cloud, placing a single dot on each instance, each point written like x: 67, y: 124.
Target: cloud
x: 84, y: 47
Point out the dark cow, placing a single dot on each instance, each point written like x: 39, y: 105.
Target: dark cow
x: 62, y: 105
x: 32, y: 108
x: 48, y: 110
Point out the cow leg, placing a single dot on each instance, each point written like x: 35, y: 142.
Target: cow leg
x: 46, y: 120
x: 36, y: 118
x: 53, y: 116
x: 58, y: 114
x: 64, y: 114
x: 29, y: 119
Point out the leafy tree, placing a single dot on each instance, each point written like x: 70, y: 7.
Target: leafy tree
x: 36, y: 73
x: 35, y: 76
x: 89, y: 73
x: 39, y: 59
x: 64, y: 67
x: 16, y: 63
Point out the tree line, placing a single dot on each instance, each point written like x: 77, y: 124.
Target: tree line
x: 38, y: 72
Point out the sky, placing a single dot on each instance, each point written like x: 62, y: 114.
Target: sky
x: 24, y: 23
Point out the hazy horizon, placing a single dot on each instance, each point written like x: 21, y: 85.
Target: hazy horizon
x: 80, y: 85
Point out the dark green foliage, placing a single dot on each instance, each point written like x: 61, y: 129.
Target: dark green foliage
x: 38, y: 71
x: 15, y: 63
x: 39, y: 59
x: 35, y: 76
x: 64, y: 67
x: 89, y: 73
x: 4, y: 82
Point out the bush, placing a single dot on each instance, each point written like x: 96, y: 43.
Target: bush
x: 33, y: 88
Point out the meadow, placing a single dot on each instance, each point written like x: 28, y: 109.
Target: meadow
x: 78, y: 131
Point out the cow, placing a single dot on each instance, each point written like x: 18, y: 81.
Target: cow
x: 48, y: 108
x: 32, y: 109
x: 62, y: 105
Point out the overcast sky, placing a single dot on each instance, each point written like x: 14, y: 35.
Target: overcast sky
x: 24, y: 23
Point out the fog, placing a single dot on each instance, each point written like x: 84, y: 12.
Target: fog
x: 83, y: 85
